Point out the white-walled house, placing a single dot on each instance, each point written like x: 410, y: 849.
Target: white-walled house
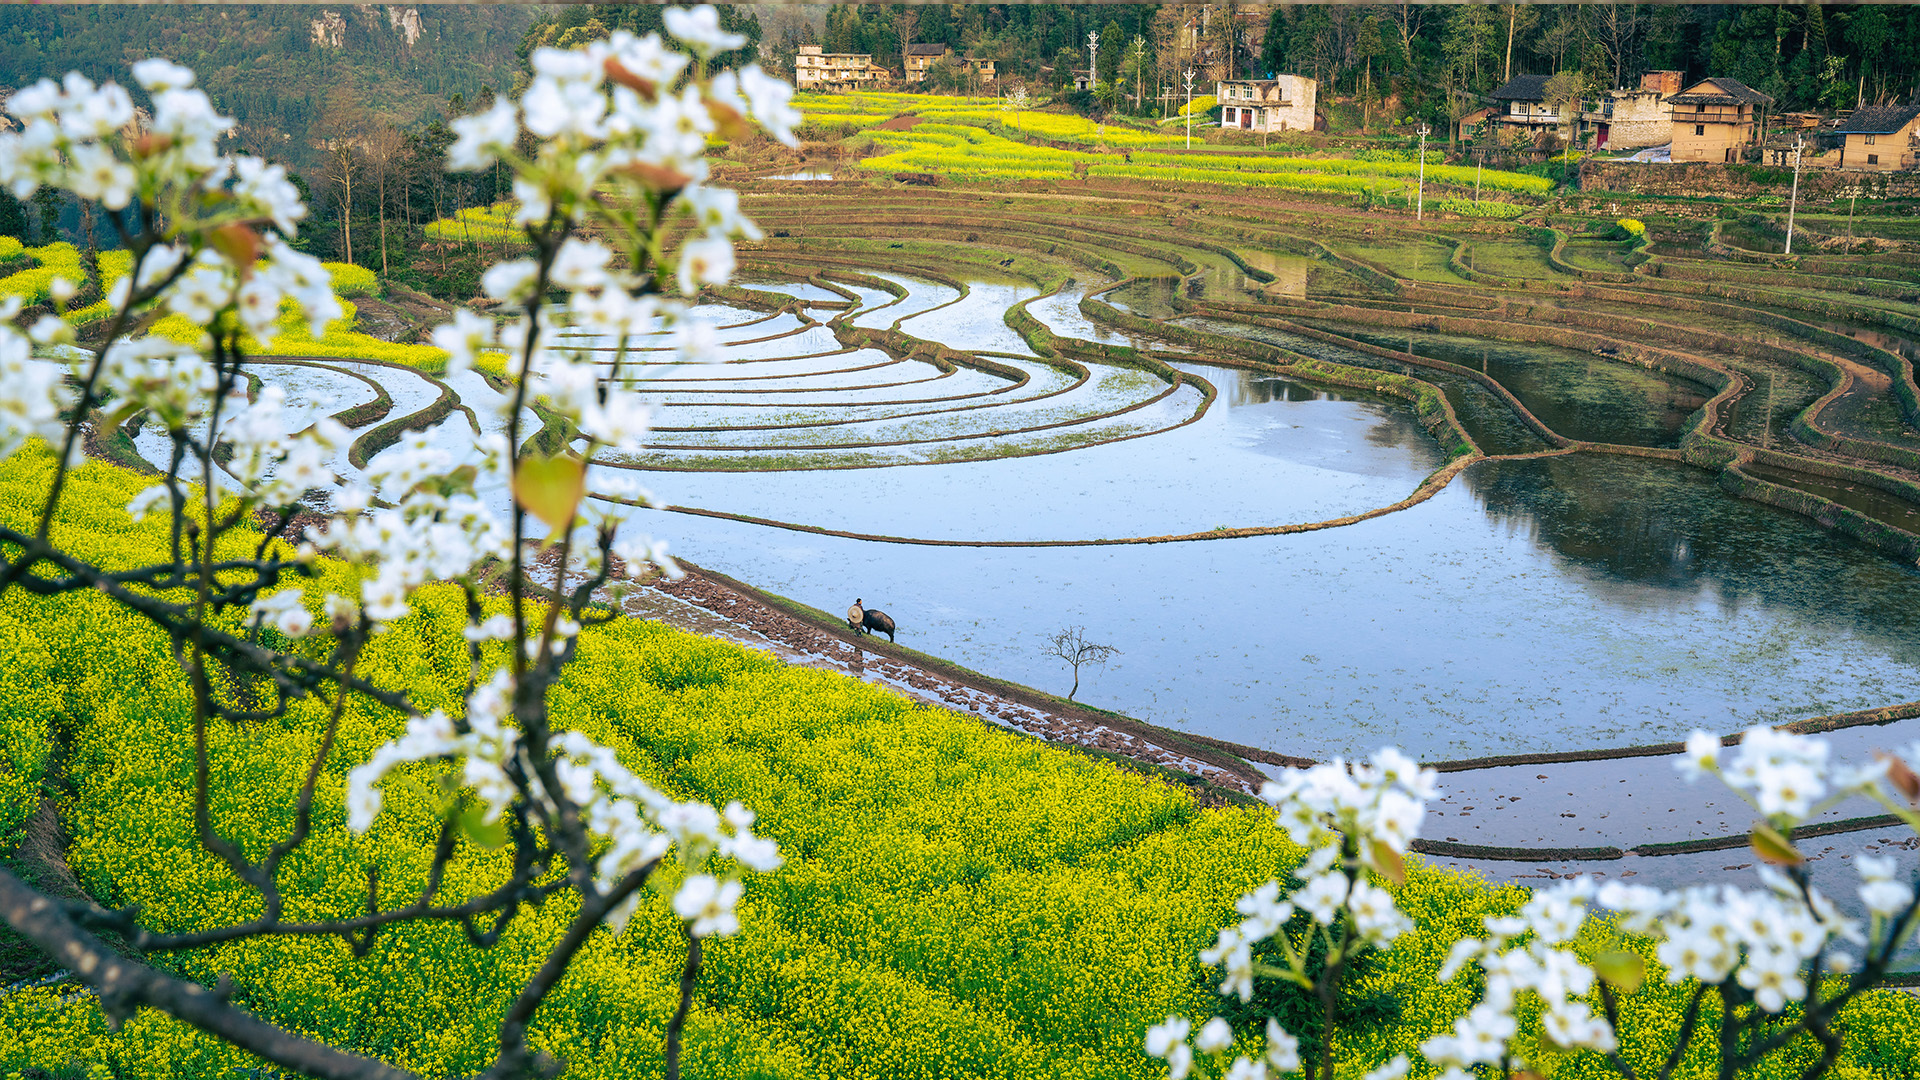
x: 1282, y: 103
x: 814, y: 69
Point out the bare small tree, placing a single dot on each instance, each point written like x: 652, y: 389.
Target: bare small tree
x: 1072, y: 646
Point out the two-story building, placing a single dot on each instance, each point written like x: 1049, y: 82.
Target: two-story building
x: 814, y: 69
x: 1882, y: 138
x: 1715, y: 119
x: 922, y: 56
x: 1282, y: 103
x: 1524, y: 101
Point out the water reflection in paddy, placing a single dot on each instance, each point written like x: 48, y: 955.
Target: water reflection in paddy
x: 1542, y: 605
x: 1268, y: 452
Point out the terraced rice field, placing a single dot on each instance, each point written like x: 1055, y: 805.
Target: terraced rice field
x: 1323, y: 489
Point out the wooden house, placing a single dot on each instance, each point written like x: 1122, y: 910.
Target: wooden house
x: 1715, y: 119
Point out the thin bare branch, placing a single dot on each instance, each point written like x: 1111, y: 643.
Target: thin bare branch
x: 125, y: 986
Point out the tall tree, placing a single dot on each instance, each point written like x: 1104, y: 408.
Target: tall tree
x: 1366, y: 46
x: 1519, y: 19
x: 385, y: 145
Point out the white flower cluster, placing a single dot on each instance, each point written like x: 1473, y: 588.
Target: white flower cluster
x: 1168, y: 1041
x: 439, y: 529
x: 1357, y: 818
x: 82, y: 138
x: 1763, y: 940
x: 1779, y: 773
x: 621, y: 129
x: 633, y: 823
x: 33, y: 395
x: 1527, y: 952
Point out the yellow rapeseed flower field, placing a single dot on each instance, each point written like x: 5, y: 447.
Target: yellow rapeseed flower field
x: 959, y: 901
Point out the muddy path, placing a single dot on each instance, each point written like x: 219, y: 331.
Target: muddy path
x: 711, y: 604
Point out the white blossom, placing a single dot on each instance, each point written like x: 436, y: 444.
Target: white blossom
x: 699, y: 29
x: 1283, y: 1050
x: 1168, y: 1042
x: 158, y: 74
x: 480, y: 139
x: 707, y: 261
x: 284, y: 612
x: 464, y: 339
x: 770, y: 101
x: 267, y: 187
x: 707, y: 903
x: 511, y: 281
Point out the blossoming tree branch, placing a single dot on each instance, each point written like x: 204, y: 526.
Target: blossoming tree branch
x: 606, y: 147
x: 1761, y: 968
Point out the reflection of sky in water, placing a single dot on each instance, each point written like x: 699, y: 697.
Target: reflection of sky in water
x: 977, y: 321
x: 921, y: 295
x: 1531, y: 606
x: 1554, y: 604
x: 1258, y: 461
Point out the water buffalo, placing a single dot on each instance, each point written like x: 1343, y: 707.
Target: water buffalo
x: 860, y: 619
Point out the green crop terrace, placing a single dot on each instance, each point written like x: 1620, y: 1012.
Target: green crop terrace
x: 958, y: 138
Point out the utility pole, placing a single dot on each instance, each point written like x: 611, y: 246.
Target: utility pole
x: 1189, y: 108
x: 1479, y: 162
x: 1799, y: 141
x: 1420, y: 207
x: 1093, y: 58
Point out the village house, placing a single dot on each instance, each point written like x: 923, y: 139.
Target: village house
x: 1631, y: 119
x: 1282, y: 103
x: 922, y: 56
x: 1524, y: 99
x: 1882, y: 138
x: 1715, y: 119
x: 1476, y: 123
x: 817, y: 70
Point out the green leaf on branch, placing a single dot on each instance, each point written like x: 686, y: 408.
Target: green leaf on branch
x: 1773, y: 847
x: 491, y: 835
x: 1387, y: 863
x: 550, y: 488
x: 1622, y: 970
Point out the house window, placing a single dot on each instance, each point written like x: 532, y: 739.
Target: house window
x: 1869, y: 140
x: 1873, y: 159
x: 1699, y: 129
x: 1699, y: 108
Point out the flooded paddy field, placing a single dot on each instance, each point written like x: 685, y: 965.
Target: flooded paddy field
x: 1579, y: 395
x: 1311, y: 521
x: 1570, y: 603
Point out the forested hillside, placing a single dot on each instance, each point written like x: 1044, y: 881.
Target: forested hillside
x: 290, y: 74
x: 1434, y: 57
